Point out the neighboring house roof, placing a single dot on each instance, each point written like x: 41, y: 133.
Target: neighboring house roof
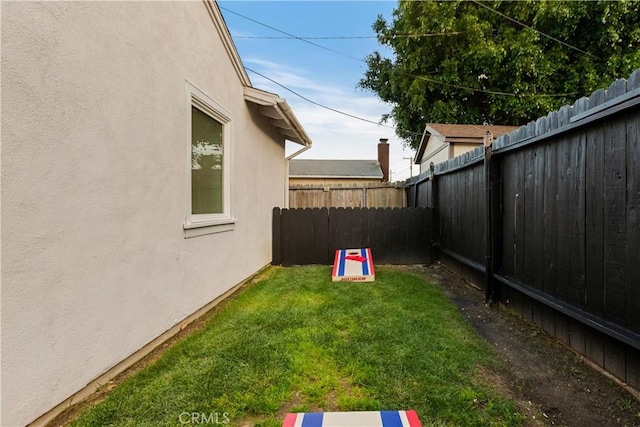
x: 456, y: 133
x: 306, y: 168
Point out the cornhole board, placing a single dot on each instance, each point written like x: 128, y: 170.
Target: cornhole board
x: 353, y: 265
x: 353, y: 419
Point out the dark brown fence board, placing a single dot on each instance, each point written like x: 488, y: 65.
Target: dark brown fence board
x: 476, y: 213
x: 509, y: 202
x: 594, y: 347
x: 563, y: 328
x: 395, y: 236
x: 377, y: 230
x: 276, y: 232
x: 564, y: 218
x: 537, y: 314
x: 550, y: 237
x: 347, y: 229
x: 530, y: 219
x: 412, y: 195
x: 519, y: 259
x: 520, y: 303
x: 446, y: 207
x: 576, y: 294
x: 578, y: 339
x: 304, y: 236
x: 633, y: 367
x: 615, y: 222
x: 450, y: 220
x: 549, y: 320
x: 424, y: 195
x: 537, y: 240
x: 633, y: 223
x: 594, y: 222
x: 465, y: 239
x: 615, y: 357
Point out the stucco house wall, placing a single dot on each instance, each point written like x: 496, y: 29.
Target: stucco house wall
x: 435, y: 153
x: 460, y: 148
x: 95, y: 262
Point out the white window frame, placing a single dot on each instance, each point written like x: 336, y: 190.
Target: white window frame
x: 199, y: 224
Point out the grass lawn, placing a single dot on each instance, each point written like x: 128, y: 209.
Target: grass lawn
x: 296, y: 342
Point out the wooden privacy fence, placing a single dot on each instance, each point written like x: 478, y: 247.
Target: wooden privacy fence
x: 549, y: 219
x: 311, y: 236
x: 347, y: 196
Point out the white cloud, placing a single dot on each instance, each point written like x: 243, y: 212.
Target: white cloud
x: 334, y: 135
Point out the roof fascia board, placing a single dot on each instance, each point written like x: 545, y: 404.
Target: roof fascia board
x: 464, y: 139
x: 431, y: 130
x: 227, y: 41
x: 274, y: 107
x: 423, y: 146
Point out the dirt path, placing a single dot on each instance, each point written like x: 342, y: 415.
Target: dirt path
x: 551, y: 383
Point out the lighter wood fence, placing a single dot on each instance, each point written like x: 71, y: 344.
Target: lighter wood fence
x: 347, y: 196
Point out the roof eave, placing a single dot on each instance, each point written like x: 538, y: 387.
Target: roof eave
x: 280, y: 114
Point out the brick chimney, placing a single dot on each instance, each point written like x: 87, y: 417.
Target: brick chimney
x: 383, y: 158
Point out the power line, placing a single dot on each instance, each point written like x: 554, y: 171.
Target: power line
x: 290, y: 35
x: 402, y: 72
x: 395, y: 36
x: 316, y: 103
x: 324, y: 106
x: 492, y: 92
x: 533, y: 29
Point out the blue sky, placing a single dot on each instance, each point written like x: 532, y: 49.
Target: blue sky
x: 326, y: 76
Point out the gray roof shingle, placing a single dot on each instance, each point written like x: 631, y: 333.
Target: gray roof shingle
x: 335, y: 168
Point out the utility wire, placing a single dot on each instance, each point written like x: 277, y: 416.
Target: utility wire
x: 321, y: 105
x: 533, y: 29
x: 396, y: 36
x: 290, y: 35
x: 404, y: 73
x: 316, y: 103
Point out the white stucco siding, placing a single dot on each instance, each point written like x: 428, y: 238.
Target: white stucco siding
x: 94, y: 134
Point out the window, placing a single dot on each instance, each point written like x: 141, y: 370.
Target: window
x: 209, y: 154
x: 207, y: 151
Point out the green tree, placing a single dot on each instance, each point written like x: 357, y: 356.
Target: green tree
x: 499, y: 62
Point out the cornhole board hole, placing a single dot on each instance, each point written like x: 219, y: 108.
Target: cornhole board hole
x: 353, y: 265
x: 353, y: 419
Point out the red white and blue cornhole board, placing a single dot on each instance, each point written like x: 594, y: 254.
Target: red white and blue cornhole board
x: 353, y: 265
x: 353, y: 419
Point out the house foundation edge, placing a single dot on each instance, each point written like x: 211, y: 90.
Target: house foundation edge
x: 93, y: 386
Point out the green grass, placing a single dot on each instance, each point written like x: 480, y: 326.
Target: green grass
x: 297, y: 342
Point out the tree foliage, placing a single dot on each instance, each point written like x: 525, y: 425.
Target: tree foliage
x: 486, y: 67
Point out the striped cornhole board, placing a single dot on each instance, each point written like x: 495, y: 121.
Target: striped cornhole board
x: 353, y: 419
x: 353, y: 265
